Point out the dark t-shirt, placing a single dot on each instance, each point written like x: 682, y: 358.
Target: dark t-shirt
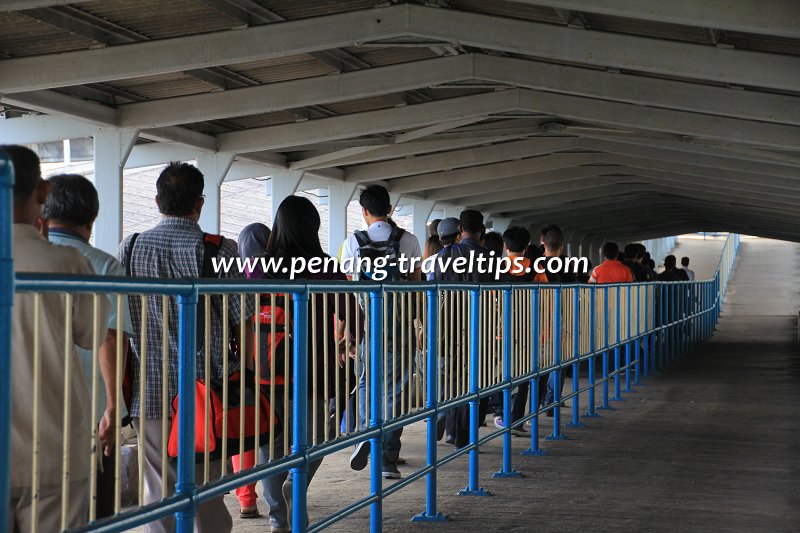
x: 640, y: 273
x: 467, y: 248
x: 669, y: 275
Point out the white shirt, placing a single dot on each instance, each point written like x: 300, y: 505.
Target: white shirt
x: 689, y: 273
x: 380, y: 231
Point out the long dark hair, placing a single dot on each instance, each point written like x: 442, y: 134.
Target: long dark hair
x: 296, y: 230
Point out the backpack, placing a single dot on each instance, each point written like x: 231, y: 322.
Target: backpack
x: 213, y: 393
x: 372, y: 250
x: 280, y: 315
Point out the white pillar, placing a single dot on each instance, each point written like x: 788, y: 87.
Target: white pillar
x: 394, y: 199
x: 112, y: 146
x: 500, y: 224
x: 339, y: 197
x: 422, y: 212
x: 214, y: 167
x: 283, y: 183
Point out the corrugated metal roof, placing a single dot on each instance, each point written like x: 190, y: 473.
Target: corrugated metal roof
x: 366, y: 104
x: 159, y: 20
x: 283, y: 68
x: 391, y: 55
x: 295, y: 9
x: 509, y: 9
x: 24, y: 36
x: 662, y: 30
x: 164, y: 86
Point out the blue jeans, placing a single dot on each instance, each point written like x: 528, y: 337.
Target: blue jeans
x: 397, y: 380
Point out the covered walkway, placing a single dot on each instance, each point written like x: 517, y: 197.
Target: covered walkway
x: 709, y: 444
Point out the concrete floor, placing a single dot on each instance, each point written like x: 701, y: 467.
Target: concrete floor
x: 712, y: 444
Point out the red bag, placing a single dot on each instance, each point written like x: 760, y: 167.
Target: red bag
x: 214, y: 417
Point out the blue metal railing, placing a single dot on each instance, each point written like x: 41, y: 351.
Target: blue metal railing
x: 676, y: 316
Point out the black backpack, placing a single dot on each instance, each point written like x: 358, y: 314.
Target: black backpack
x: 372, y: 250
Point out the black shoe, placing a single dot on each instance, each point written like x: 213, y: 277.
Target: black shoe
x: 440, y: 426
x: 391, y: 472
x: 360, y: 457
x: 450, y: 439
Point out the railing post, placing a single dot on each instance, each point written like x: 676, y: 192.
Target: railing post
x: 556, y: 374
x: 375, y: 408
x: 187, y: 374
x: 534, y: 392
x: 6, y: 303
x: 605, y: 405
x: 432, y: 402
x: 473, y: 488
x: 592, y: 412
x: 300, y: 410
x: 576, y: 353
x: 507, y: 470
x: 628, y: 358
x: 646, y: 338
x: 617, y: 324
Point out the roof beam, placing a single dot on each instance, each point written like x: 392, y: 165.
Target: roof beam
x: 460, y: 158
x: 607, y: 49
x: 780, y: 18
x: 437, y: 180
x: 664, y: 120
x: 19, y: 5
x: 296, y: 93
x: 368, y: 122
x: 202, y: 50
x: 43, y: 128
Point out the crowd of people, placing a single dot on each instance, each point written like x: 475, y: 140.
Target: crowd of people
x: 53, y: 222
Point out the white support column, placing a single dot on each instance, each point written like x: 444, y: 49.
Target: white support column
x: 422, y: 212
x: 214, y: 167
x: 339, y: 197
x: 283, y: 183
x: 112, y: 146
x: 394, y: 199
x: 500, y: 224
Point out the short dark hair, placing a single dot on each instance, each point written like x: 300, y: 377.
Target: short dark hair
x: 685, y: 261
x: 179, y: 187
x: 471, y: 221
x: 516, y: 239
x: 670, y: 261
x: 27, y: 172
x: 375, y: 199
x: 493, y: 242
x: 651, y: 263
x: 447, y: 240
x: 549, y: 227
x: 610, y: 250
x: 72, y: 199
x: 553, y: 239
x: 631, y: 250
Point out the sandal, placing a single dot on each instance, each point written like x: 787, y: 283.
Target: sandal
x: 249, y: 512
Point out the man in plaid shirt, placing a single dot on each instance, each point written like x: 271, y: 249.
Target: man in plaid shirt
x: 174, y: 249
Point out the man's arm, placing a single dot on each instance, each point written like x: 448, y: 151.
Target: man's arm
x: 108, y: 369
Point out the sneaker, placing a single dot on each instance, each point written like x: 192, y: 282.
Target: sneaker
x: 498, y: 422
x: 391, y: 472
x: 279, y: 529
x: 286, y: 490
x: 360, y: 457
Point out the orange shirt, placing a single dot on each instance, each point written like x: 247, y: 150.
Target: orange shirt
x: 611, y: 271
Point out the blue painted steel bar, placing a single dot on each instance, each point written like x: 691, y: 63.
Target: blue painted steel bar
x: 555, y: 376
x: 507, y: 470
x: 638, y: 342
x: 376, y: 325
x: 300, y: 410
x: 618, y: 328
x: 605, y: 405
x: 629, y: 321
x: 592, y: 412
x: 646, y: 339
x: 576, y: 352
x: 432, y: 400
x: 187, y: 350
x: 474, y: 488
x: 535, y: 338
x: 6, y: 303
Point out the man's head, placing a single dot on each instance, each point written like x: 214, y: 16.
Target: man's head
x: 30, y: 191
x: 545, y: 230
x: 375, y: 204
x: 553, y: 241
x: 433, y: 227
x: 180, y: 191
x: 516, y: 239
x: 669, y: 262
x: 685, y: 261
x: 72, y: 203
x: 610, y: 250
x: 631, y: 251
x: 471, y: 224
x: 449, y: 230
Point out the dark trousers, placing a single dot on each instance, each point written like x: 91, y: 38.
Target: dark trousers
x: 106, y: 486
